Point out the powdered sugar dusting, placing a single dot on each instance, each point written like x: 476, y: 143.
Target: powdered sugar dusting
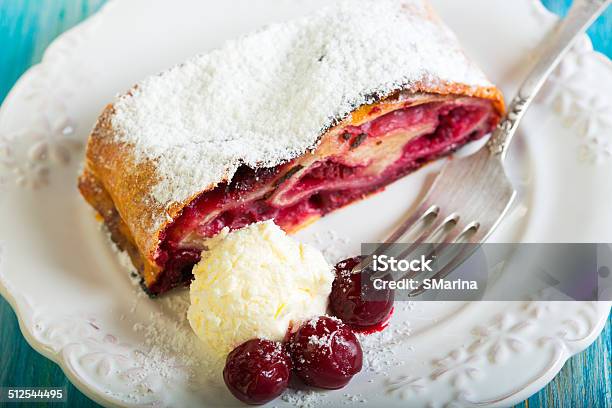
x: 380, y: 349
x: 324, y: 341
x: 266, y: 98
x: 304, y: 398
x: 170, y: 351
x: 333, y: 246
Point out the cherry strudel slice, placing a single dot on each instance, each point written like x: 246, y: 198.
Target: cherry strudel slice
x: 288, y: 123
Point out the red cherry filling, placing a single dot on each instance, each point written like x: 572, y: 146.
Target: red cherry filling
x: 359, y: 304
x: 325, y: 353
x: 368, y: 157
x: 257, y: 371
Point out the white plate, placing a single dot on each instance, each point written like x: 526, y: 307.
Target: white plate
x: 77, y: 306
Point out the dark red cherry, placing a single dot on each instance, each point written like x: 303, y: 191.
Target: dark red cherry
x: 325, y: 353
x: 361, y: 306
x: 257, y: 371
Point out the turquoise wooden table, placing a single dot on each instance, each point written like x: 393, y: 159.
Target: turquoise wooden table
x: 28, y: 26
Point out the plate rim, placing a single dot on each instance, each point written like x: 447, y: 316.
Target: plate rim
x: 5, y: 291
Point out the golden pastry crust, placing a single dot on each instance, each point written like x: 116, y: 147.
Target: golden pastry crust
x: 120, y: 187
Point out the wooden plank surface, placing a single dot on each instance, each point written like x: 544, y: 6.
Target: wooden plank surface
x: 28, y: 26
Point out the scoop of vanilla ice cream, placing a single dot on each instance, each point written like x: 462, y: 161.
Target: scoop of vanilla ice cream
x: 254, y: 283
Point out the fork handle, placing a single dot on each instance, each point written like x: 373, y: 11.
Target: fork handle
x: 579, y: 18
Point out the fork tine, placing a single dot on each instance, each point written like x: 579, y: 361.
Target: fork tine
x: 405, y: 227
x: 457, y: 260
x: 467, y: 250
x: 411, y: 222
x: 430, y: 230
x: 455, y: 232
x: 453, y: 186
x: 448, y: 239
x: 459, y: 231
x: 480, y: 234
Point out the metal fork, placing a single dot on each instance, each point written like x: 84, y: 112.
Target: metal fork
x: 471, y: 195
